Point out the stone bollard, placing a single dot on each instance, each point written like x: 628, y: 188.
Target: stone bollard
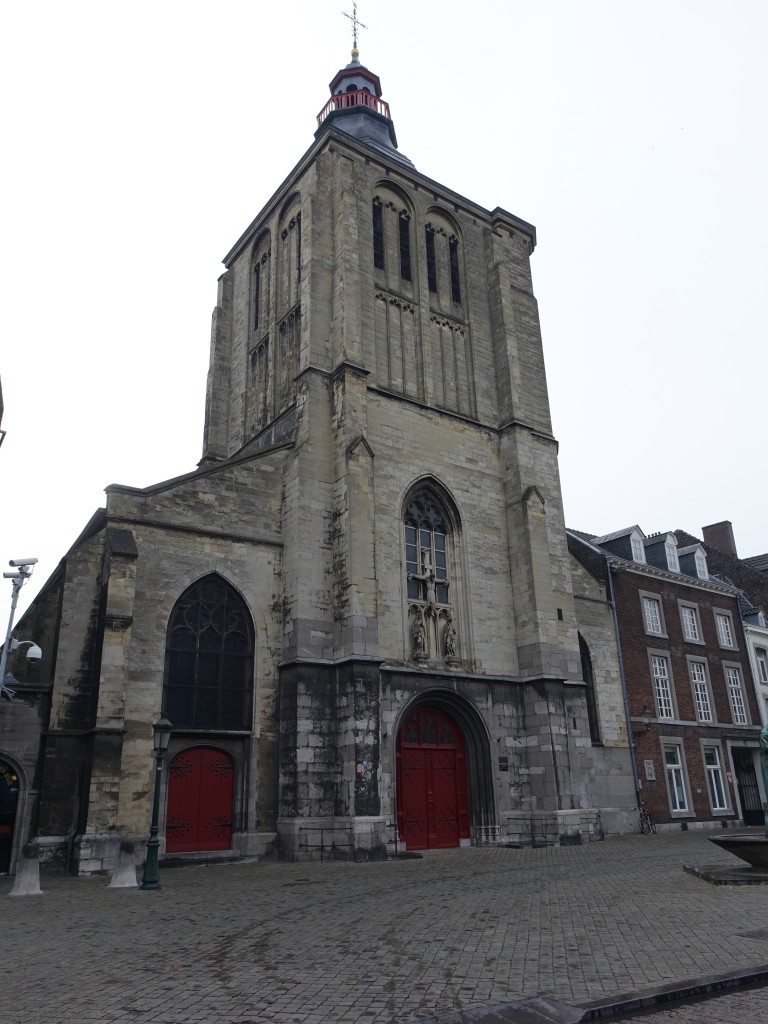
x: 124, y: 875
x: 27, y: 880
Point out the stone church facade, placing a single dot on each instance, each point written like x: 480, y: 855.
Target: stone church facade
x: 357, y: 611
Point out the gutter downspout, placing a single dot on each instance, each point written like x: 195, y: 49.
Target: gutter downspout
x: 630, y: 735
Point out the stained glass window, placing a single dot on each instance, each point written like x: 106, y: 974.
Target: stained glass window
x: 209, y: 658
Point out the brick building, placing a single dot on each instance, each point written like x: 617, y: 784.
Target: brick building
x: 751, y: 578
x: 357, y: 611
x: 691, y: 705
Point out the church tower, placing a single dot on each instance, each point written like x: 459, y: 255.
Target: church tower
x: 357, y: 611
x: 380, y: 331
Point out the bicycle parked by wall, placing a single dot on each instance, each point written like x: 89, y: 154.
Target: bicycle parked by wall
x: 646, y: 822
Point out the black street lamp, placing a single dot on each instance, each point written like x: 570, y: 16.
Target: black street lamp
x: 162, y: 736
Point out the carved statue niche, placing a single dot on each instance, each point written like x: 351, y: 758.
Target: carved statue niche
x: 449, y: 639
x: 418, y: 635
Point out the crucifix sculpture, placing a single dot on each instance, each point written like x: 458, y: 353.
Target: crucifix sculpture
x: 429, y: 578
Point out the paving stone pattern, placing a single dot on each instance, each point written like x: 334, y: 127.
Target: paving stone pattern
x: 380, y: 943
x: 744, y: 1007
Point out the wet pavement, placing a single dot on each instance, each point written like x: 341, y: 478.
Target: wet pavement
x: 459, y: 932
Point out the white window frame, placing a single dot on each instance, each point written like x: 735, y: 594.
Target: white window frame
x: 761, y: 663
x: 702, y: 691
x: 734, y: 684
x: 638, y: 548
x: 715, y: 776
x: 690, y: 611
x: 656, y: 600
x: 700, y: 561
x: 662, y: 685
x: 726, y: 634
x: 676, y: 777
x: 673, y: 562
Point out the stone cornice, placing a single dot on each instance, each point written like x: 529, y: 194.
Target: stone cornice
x: 623, y: 565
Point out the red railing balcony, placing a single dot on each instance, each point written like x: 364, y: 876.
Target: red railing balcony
x: 359, y: 98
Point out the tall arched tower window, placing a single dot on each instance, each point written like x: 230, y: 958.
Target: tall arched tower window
x: 259, y: 357
x: 288, y: 340
x: 397, y: 324
x: 429, y: 583
x: 209, y: 658
x: 450, y: 340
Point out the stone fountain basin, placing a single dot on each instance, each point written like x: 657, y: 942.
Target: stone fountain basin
x: 751, y: 848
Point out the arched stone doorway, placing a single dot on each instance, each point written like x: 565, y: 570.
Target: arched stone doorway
x: 9, y: 799
x: 432, y: 786
x: 201, y: 787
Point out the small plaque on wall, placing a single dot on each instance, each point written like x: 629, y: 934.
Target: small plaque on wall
x: 650, y: 771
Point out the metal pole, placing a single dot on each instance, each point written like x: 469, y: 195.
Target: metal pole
x: 17, y: 585
x: 151, y: 877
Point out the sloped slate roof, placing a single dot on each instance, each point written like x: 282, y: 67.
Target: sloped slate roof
x: 608, y: 537
x: 752, y: 581
x: 594, y: 561
x: 759, y: 562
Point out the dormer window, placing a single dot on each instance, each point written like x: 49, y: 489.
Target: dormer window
x: 671, y: 550
x: 700, y: 560
x: 638, y: 549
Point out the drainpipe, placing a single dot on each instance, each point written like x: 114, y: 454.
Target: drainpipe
x: 630, y: 734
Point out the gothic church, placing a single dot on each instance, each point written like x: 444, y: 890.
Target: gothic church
x: 357, y: 611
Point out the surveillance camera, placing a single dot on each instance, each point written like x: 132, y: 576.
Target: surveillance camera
x: 23, y: 561
x: 34, y: 654
x: 12, y: 575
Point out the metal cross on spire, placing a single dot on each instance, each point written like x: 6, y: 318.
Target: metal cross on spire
x: 356, y: 24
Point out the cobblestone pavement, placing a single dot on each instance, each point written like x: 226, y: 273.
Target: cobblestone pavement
x: 744, y: 1007
x: 380, y: 943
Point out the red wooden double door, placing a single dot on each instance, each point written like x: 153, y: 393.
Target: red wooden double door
x: 433, y: 810
x: 201, y: 789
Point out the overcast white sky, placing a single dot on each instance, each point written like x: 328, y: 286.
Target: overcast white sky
x: 141, y: 139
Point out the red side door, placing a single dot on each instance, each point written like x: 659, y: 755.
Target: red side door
x: 200, y: 800
x: 433, y: 810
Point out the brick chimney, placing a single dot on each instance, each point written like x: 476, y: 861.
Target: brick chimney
x: 720, y: 536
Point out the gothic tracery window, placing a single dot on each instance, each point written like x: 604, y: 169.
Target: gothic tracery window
x: 431, y: 618
x: 209, y: 658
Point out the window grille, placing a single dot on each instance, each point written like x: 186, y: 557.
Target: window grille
x: 701, y: 691
x: 662, y: 686
x: 209, y: 658
x: 675, y: 778
x: 738, y: 707
x: 724, y: 631
x: 715, y: 779
x: 652, y: 615
x: 690, y: 623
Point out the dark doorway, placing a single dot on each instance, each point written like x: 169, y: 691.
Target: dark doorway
x: 431, y: 781
x: 749, y: 794
x: 200, y: 794
x: 9, y: 798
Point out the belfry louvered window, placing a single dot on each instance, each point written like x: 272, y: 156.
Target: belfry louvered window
x: 378, y: 235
